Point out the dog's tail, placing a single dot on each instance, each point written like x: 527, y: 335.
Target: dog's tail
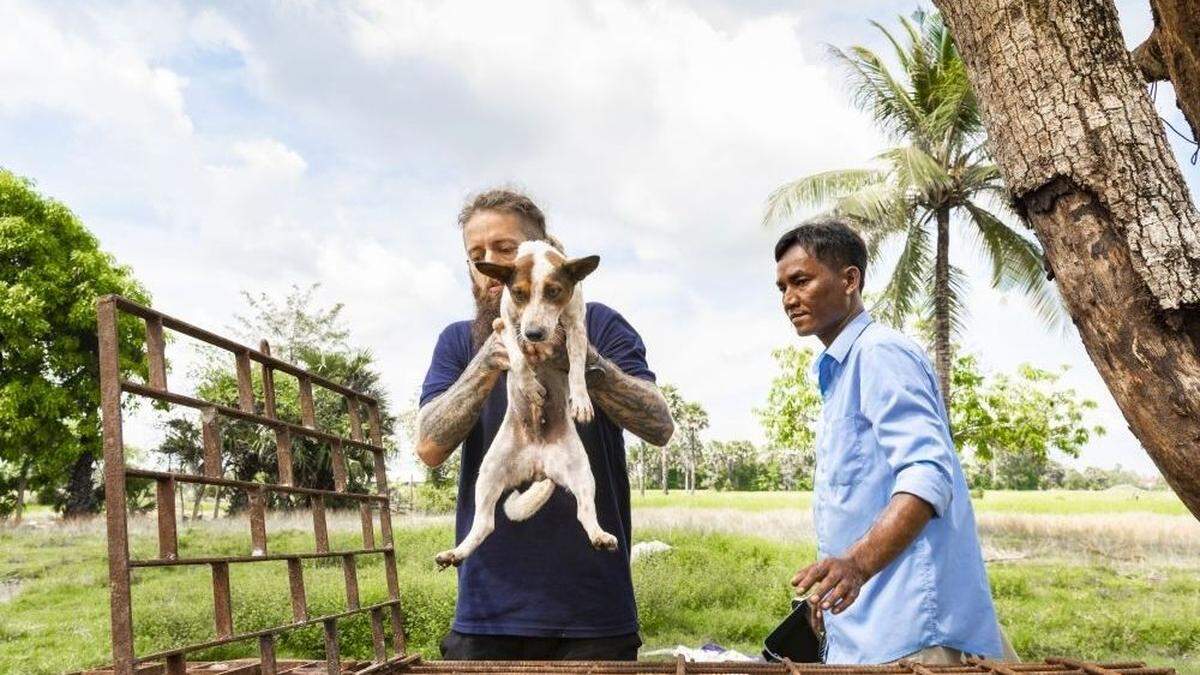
x: 522, y: 505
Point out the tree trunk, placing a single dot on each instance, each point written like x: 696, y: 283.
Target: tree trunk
x: 1087, y: 162
x: 197, y: 497
x: 663, y: 454
x: 642, y: 471
x: 941, y: 303
x: 217, y: 505
x: 22, y: 486
x: 81, y: 488
x: 1172, y: 52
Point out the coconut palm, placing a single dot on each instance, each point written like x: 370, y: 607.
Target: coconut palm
x: 938, y: 173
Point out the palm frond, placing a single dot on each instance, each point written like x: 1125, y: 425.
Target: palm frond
x: 917, y: 170
x: 907, y: 284
x: 1017, y: 263
x: 876, y: 91
x: 815, y: 191
x: 956, y: 305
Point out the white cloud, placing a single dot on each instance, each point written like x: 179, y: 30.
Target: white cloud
x: 259, y: 146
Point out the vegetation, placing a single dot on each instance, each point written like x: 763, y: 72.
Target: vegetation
x: 1087, y: 606
x: 51, y: 273
x: 939, y: 172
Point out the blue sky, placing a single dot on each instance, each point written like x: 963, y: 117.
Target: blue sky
x: 253, y: 146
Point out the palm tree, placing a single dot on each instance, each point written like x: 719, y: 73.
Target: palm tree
x: 938, y: 172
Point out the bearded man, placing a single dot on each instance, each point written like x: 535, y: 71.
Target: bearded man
x: 537, y: 590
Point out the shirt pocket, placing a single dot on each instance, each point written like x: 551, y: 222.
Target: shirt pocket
x: 843, y: 459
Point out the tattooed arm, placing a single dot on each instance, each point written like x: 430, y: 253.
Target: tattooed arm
x: 633, y: 403
x: 445, y: 421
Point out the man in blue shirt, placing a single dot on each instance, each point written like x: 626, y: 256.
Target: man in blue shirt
x: 537, y: 589
x: 900, y: 573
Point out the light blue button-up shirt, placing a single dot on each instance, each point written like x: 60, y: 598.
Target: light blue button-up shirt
x: 884, y: 430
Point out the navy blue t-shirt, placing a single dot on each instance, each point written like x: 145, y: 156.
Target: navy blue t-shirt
x: 541, y: 577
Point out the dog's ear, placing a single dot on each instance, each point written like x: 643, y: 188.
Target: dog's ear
x: 502, y: 273
x: 579, y: 268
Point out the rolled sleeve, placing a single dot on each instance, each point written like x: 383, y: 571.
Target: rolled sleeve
x: 901, y: 400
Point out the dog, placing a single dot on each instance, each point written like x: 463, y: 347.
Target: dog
x: 541, y: 306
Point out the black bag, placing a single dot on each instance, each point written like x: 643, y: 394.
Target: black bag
x: 794, y: 638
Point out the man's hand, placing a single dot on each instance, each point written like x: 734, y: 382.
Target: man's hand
x: 832, y: 584
x: 495, y: 354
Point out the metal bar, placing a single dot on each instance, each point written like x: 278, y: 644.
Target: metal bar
x: 368, y: 524
x: 308, y: 414
x: 211, y: 435
x: 397, y: 664
x: 320, y: 531
x: 389, y: 571
x: 296, y: 582
x: 158, y: 656
x: 120, y: 607
x: 377, y: 640
x: 268, y: 381
x: 258, y: 522
x: 350, y: 572
x: 234, y: 413
x: 267, y: 663
x: 255, y: 558
x: 337, y: 459
x: 352, y: 407
x: 244, y: 384
x: 376, y: 429
x: 1089, y: 668
x: 250, y: 485
x: 222, y: 605
x: 156, y: 360
x: 399, y: 640
x: 168, y: 543
x: 215, y: 340
x: 333, y: 660
x: 283, y: 456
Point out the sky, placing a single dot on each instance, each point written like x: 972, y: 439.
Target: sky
x: 229, y: 147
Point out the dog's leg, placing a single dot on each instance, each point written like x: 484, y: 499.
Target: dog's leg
x: 493, y: 479
x: 570, y: 469
x: 522, y: 372
x: 577, y: 346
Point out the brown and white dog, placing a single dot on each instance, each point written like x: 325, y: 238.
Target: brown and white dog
x: 537, y: 440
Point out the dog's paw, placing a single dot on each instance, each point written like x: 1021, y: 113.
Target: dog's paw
x: 447, y: 558
x: 603, y: 541
x: 581, y: 407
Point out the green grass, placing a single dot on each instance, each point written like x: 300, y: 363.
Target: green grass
x: 1062, y: 502
x: 725, y: 587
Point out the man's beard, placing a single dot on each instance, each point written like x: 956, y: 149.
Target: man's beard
x: 487, y: 310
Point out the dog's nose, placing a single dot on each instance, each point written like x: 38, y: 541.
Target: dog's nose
x: 535, y: 334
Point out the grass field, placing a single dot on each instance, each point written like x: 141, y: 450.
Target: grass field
x: 1057, y: 502
x: 724, y: 579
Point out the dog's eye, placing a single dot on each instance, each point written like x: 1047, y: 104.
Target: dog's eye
x: 520, y: 296
x: 552, y: 292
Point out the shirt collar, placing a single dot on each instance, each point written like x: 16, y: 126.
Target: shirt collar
x: 840, y: 346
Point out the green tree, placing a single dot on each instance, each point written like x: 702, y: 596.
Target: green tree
x: 938, y: 172
x: 690, y: 419
x: 1011, y: 423
x: 248, y: 450
x: 51, y: 273
x: 793, y: 402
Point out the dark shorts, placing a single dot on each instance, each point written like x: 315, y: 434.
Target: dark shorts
x: 463, y: 647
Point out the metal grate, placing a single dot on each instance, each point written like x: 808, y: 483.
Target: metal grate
x: 174, y: 661
x: 371, y: 505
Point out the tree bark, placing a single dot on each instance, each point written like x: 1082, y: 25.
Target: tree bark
x: 941, y: 304
x: 22, y: 486
x: 1087, y: 163
x: 663, y: 455
x: 1172, y: 52
x: 81, y: 488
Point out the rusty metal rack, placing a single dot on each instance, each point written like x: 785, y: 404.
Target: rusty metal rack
x: 386, y: 616
x: 360, y: 408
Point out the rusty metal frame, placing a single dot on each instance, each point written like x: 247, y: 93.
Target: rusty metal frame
x: 174, y: 661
